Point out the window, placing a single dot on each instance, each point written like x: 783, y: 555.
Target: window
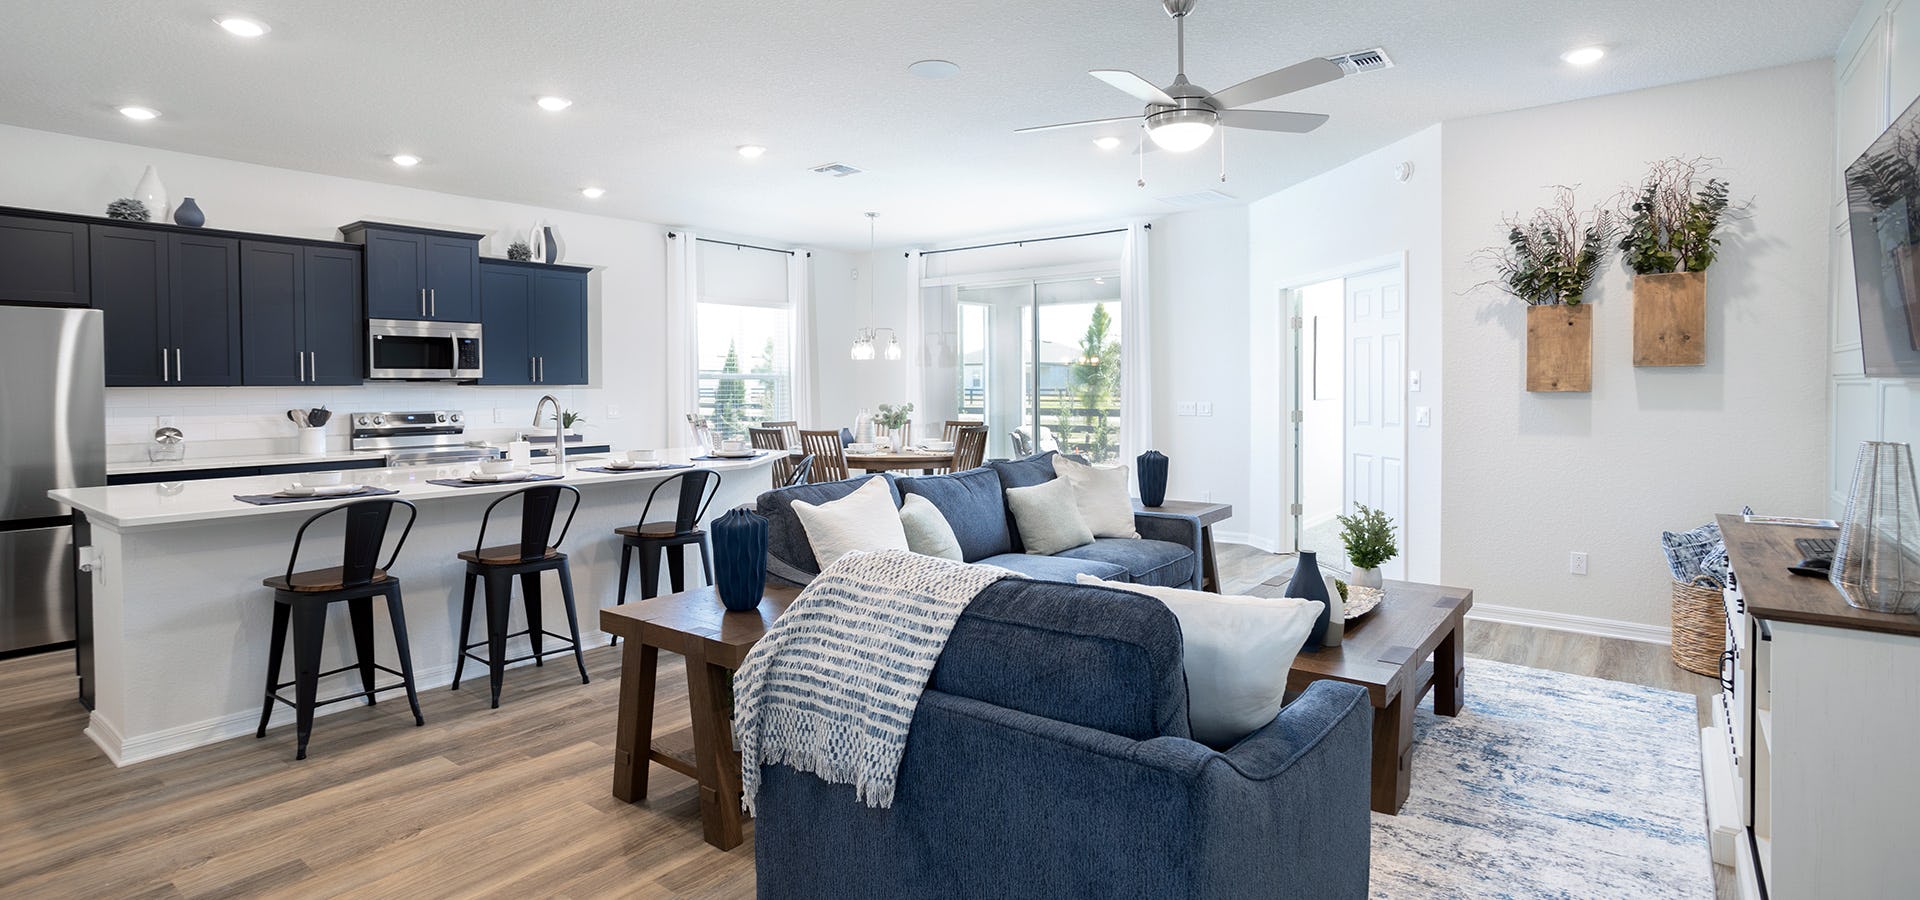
x: 976, y: 349
x: 745, y: 337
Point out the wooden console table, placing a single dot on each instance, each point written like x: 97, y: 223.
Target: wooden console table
x: 714, y: 642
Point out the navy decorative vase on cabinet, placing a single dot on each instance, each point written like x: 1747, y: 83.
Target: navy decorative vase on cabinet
x: 1153, y: 478
x: 1308, y: 585
x: 188, y: 213
x: 740, y: 558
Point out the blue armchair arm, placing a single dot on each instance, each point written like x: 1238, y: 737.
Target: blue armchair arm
x: 1174, y: 529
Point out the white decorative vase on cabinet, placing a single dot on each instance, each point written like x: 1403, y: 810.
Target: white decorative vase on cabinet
x: 154, y: 194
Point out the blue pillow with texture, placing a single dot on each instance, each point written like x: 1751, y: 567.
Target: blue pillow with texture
x: 1687, y: 551
x: 972, y: 503
x: 1035, y: 469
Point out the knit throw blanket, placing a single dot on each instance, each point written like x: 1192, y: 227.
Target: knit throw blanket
x: 832, y: 687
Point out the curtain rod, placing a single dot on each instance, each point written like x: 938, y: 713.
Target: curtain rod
x: 736, y: 246
x: 1039, y: 240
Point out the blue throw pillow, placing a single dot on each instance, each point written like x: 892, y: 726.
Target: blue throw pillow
x: 1687, y: 551
x: 972, y: 504
x: 1035, y: 469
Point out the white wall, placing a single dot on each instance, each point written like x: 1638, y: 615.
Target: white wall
x: 69, y: 174
x: 1876, y: 76
x: 1347, y: 220
x: 1198, y: 266
x: 1530, y: 477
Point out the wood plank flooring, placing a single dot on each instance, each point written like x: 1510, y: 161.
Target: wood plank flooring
x: 513, y: 801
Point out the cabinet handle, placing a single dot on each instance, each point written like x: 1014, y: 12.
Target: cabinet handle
x: 179, y: 371
x: 433, y: 302
x: 423, y: 303
x: 303, y: 365
x: 533, y: 374
x: 313, y: 365
x: 166, y: 373
x: 543, y: 370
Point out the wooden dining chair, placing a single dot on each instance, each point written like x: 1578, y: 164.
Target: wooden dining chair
x: 970, y: 448
x: 955, y: 426
x: 790, y: 430
x: 829, y: 458
x: 766, y: 438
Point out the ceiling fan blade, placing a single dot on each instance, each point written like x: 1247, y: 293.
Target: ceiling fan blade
x: 1141, y: 89
x: 1111, y: 121
x: 1268, y: 120
x: 1297, y: 77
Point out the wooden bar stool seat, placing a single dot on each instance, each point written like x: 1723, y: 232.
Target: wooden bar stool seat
x: 300, y: 603
x: 697, y: 488
x: 498, y: 566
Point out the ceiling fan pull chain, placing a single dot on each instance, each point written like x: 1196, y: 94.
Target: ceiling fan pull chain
x: 1223, y: 154
x: 1140, y: 153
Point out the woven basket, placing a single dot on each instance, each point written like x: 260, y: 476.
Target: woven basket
x: 1699, y: 626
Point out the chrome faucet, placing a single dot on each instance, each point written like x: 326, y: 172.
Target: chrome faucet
x: 559, y: 433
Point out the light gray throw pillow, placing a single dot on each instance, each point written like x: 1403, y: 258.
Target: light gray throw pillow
x: 928, y: 532
x: 1048, y: 517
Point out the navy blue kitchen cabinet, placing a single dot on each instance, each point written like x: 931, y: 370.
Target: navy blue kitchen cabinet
x: 419, y: 273
x: 171, y: 305
x: 534, y: 321
x: 43, y: 261
x: 301, y: 319
x: 203, y: 306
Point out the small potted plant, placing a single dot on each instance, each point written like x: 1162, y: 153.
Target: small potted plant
x: 568, y: 419
x: 1549, y: 262
x: 1670, y: 239
x: 898, y: 424
x: 1368, y: 536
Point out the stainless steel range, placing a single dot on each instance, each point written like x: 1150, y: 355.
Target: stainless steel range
x: 429, y: 438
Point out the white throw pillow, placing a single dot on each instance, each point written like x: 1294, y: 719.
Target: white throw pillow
x: 928, y: 532
x: 862, y: 520
x: 1048, y: 517
x: 1101, y: 493
x: 1237, y: 653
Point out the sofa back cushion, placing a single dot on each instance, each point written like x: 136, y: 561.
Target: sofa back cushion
x: 1093, y: 656
x: 786, y: 537
x: 1019, y: 473
x: 972, y: 504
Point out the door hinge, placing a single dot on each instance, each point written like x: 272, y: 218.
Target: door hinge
x: 1294, y: 510
x: 1294, y: 416
x: 1296, y: 323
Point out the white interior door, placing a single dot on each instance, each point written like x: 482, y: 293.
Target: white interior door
x: 1376, y: 438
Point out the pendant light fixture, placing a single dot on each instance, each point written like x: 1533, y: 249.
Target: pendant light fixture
x: 863, y: 338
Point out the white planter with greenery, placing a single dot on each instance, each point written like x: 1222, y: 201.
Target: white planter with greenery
x: 1368, y: 537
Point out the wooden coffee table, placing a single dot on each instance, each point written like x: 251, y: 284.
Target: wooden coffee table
x: 715, y: 642
x: 1411, y: 644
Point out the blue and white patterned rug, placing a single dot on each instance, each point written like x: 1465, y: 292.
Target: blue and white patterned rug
x: 1550, y: 785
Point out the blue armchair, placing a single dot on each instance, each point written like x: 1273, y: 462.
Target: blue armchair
x: 1050, y: 757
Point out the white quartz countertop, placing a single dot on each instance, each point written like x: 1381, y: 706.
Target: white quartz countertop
x: 146, y: 505
x: 139, y: 466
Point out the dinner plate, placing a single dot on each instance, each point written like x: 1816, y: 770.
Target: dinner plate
x: 319, y: 490
x: 734, y: 454
x: 478, y: 477
x: 624, y: 464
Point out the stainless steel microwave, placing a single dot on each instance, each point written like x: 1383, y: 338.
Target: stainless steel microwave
x: 408, y: 350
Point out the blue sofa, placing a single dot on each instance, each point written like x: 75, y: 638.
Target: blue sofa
x: 1050, y: 757
x: 1166, y: 554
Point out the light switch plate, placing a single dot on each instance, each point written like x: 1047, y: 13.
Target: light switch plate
x: 1183, y: 408
x: 1206, y: 409
x: 1413, y: 380
x: 613, y: 411
x: 1422, y: 416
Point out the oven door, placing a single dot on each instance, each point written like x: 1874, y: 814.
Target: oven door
x: 421, y: 351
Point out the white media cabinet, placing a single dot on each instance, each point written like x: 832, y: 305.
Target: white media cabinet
x: 1812, y: 761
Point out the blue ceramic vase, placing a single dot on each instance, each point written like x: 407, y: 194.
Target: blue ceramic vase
x: 1308, y: 585
x: 1153, y: 478
x: 739, y: 558
x: 188, y: 213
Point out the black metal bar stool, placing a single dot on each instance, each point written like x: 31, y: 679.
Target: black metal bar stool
x: 498, y: 566
x: 697, y: 489
x: 300, y: 601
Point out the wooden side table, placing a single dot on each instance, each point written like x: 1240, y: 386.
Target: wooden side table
x: 714, y: 642
x: 1209, y: 514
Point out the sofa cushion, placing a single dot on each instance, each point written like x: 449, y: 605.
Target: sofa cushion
x: 1019, y: 473
x: 1148, y: 562
x: 786, y: 538
x: 867, y: 519
x: 1048, y: 518
x: 1057, y: 568
x: 972, y: 503
x: 928, y: 532
x: 1101, y: 494
x: 1091, y: 656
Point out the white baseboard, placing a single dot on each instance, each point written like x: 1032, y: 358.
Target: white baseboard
x: 1613, y: 628
x: 1241, y: 537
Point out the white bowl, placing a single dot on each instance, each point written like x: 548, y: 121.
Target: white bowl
x: 643, y: 456
x: 733, y: 446
x: 862, y: 448
x: 321, y: 479
x: 496, y: 466
x: 938, y: 446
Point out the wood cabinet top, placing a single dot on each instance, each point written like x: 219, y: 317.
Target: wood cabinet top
x: 1760, y: 556
x: 170, y: 227
x: 352, y: 228
x: 530, y: 264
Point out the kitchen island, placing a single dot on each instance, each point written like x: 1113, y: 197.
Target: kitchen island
x: 175, y: 623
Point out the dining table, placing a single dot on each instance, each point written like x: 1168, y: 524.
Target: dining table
x: 928, y: 461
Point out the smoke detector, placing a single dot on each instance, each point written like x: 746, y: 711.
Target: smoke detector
x: 837, y: 170
x: 1362, y: 61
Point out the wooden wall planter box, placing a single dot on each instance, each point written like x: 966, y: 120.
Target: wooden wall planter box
x: 1560, y: 348
x: 1670, y: 319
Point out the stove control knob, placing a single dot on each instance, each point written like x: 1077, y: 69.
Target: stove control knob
x: 363, y: 421
x: 379, y: 420
x: 456, y: 419
x: 440, y: 417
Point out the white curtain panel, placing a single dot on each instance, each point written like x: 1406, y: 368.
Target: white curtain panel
x: 800, y: 360
x: 911, y: 340
x: 683, y: 347
x: 1136, y: 360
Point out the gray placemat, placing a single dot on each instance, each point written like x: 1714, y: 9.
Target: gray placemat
x: 463, y: 483
x: 736, y: 458
x: 631, y: 471
x: 276, y: 499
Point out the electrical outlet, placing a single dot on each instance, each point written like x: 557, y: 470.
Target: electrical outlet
x: 1413, y: 380
x: 1422, y: 416
x: 499, y: 416
x: 1205, y: 409
x: 1577, y: 562
x: 613, y: 412
x: 163, y: 421
x: 1183, y: 408
x: 1206, y: 496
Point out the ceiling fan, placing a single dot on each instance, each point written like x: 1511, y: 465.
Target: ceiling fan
x: 1182, y: 116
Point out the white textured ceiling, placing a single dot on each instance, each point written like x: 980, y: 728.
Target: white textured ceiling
x: 664, y: 91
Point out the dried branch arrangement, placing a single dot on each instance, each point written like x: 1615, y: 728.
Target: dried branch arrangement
x: 1673, y: 216
x: 1553, y: 255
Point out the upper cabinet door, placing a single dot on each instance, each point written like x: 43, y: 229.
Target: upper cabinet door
x: 396, y: 274
x: 506, y: 294
x: 336, y: 328
x: 43, y: 261
x: 559, y: 325
x: 453, y: 279
x: 128, y: 272
x: 204, y: 309
x: 272, y: 329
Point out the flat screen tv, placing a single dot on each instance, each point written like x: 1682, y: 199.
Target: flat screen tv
x: 1883, y: 208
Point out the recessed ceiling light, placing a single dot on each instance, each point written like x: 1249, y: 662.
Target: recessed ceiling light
x: 406, y: 160
x: 593, y: 193
x: 751, y: 151
x: 246, y: 28
x: 934, y: 68
x: 1584, y: 56
x: 139, y: 113
x: 554, y: 104
x: 1106, y: 143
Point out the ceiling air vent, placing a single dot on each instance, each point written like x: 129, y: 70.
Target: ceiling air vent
x: 1362, y: 61
x: 1199, y: 198
x: 837, y: 170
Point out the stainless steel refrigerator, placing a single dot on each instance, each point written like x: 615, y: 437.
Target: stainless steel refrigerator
x: 52, y: 435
